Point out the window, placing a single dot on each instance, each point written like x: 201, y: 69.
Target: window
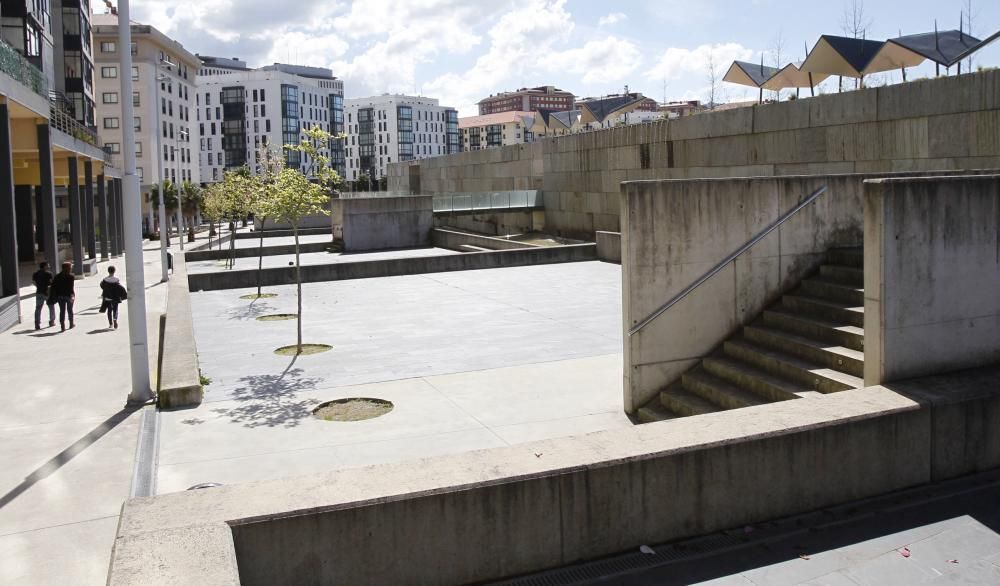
x: 138, y: 171
x: 113, y: 147
x: 210, y: 159
x: 135, y: 98
x: 255, y: 95
x: 263, y: 113
x: 135, y: 73
x: 109, y: 72
x: 109, y: 97
x: 109, y: 47
x: 137, y: 123
x: 267, y: 126
x: 138, y: 149
x: 111, y: 122
x: 262, y: 97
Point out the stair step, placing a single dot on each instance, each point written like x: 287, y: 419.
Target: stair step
x: 848, y: 336
x: 813, y: 376
x: 654, y: 411
x: 834, y: 291
x: 750, y: 377
x: 826, y: 309
x: 719, y: 391
x: 853, y: 256
x: 843, y: 274
x: 685, y: 403
x: 835, y: 357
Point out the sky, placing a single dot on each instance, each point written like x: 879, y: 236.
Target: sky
x: 461, y: 51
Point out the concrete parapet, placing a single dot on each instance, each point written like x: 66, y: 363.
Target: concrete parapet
x: 215, y: 254
x: 932, y: 273
x: 455, y: 240
x: 491, y: 514
x: 380, y: 223
x: 393, y: 267
x: 609, y: 246
x: 282, y: 233
x: 496, y: 223
x: 179, y: 380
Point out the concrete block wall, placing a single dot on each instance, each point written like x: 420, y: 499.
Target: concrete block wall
x: 928, y: 125
x: 379, y: 223
x: 932, y: 275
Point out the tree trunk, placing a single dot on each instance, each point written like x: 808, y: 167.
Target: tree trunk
x: 298, y: 286
x: 260, y: 254
x: 232, y: 249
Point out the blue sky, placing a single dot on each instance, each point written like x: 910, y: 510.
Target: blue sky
x: 462, y: 50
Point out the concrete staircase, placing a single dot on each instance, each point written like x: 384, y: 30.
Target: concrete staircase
x: 810, y: 342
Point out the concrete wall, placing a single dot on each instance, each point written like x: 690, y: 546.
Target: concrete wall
x: 932, y: 275
x: 455, y: 240
x: 609, y: 247
x: 216, y: 254
x: 935, y: 124
x: 314, y: 221
x: 494, y: 223
x: 179, y: 378
x: 379, y: 223
x: 490, y: 514
x: 396, y: 266
x: 673, y: 232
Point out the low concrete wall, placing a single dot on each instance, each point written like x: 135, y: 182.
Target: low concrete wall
x: 382, y: 223
x: 490, y: 514
x: 282, y: 233
x: 932, y: 275
x: 394, y: 267
x: 179, y: 381
x: 257, y: 251
x: 609, y: 247
x: 493, y: 223
x: 454, y: 240
x: 313, y: 221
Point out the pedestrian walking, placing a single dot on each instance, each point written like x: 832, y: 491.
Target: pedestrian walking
x: 62, y: 291
x: 42, y: 278
x: 112, y: 294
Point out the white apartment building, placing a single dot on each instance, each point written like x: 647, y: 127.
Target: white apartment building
x: 154, y: 56
x: 239, y: 109
x: 392, y: 128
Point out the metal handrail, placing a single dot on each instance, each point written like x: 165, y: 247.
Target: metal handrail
x: 732, y: 257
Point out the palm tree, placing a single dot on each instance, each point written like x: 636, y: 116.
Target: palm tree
x: 170, y: 201
x: 192, y: 198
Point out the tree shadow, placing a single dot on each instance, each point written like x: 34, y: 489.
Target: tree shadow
x: 270, y: 400
x: 245, y: 313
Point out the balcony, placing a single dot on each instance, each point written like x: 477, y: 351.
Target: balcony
x: 15, y: 65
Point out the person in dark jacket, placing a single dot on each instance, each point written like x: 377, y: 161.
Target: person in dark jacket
x: 42, y: 278
x: 64, y: 294
x: 112, y: 294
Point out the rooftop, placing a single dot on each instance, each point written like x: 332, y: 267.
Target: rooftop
x: 489, y: 119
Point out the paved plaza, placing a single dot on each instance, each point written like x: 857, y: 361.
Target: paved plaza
x: 312, y: 258
x: 471, y: 360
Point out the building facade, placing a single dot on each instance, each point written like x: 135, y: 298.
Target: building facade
x: 545, y: 97
x: 493, y: 130
x: 74, y: 65
x: 239, y: 110
x: 163, y: 86
x: 391, y: 128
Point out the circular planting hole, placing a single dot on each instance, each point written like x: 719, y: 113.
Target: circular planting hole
x: 277, y: 317
x: 306, y: 349
x: 261, y: 296
x: 353, y: 409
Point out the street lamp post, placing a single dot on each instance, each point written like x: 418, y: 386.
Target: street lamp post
x: 141, y: 391
x: 181, y: 133
x: 164, y: 229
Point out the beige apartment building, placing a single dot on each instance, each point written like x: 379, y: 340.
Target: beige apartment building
x: 160, y: 61
x: 493, y: 130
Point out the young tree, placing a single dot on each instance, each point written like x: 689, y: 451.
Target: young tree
x: 239, y: 192
x: 270, y: 164
x: 290, y: 198
x: 214, y: 208
x: 970, y: 21
x: 713, y: 79
x: 777, y: 48
x: 855, y: 24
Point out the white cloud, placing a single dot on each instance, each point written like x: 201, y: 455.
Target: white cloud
x: 611, y: 59
x: 612, y: 18
x: 677, y: 62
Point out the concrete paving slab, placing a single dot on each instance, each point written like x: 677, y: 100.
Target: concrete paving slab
x: 281, y: 240
x: 77, y: 553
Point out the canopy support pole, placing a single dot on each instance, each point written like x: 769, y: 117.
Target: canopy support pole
x: 812, y: 86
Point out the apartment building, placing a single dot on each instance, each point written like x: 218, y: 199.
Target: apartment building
x: 59, y: 191
x: 544, y: 97
x: 163, y: 76
x: 391, y: 128
x: 493, y: 130
x: 239, y: 109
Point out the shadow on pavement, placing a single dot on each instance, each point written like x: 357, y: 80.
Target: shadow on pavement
x: 269, y: 400
x: 60, y: 459
x: 100, y: 331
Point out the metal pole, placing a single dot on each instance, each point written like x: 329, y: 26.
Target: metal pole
x: 177, y: 212
x: 136, y: 306
x: 164, y: 229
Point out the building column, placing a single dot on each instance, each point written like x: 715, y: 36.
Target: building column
x: 112, y: 217
x: 75, y: 220
x: 120, y: 216
x: 102, y: 215
x: 88, y: 209
x: 25, y: 223
x: 9, y: 273
x: 46, y: 221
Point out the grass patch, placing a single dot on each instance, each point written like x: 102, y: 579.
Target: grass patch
x: 204, y: 380
x: 277, y: 317
x: 354, y: 409
x: 304, y: 350
x: 261, y: 296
